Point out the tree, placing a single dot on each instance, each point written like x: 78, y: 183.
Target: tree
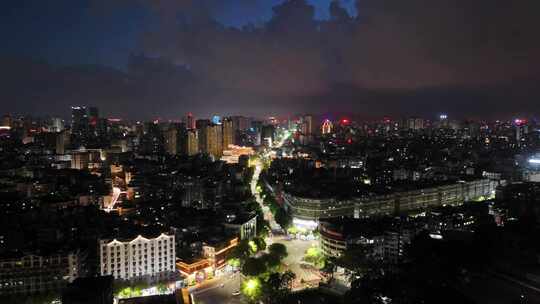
x: 283, y: 218
x: 271, y: 260
x: 279, y: 250
x: 261, y: 244
x: 253, y: 267
x: 278, y: 287
x: 241, y: 252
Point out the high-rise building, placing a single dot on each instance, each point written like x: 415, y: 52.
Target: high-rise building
x: 214, y: 140
x: 79, y: 124
x: 521, y: 129
x: 307, y: 125
x: 241, y: 123
x: 190, y: 121
x: 171, y: 141
x: 139, y: 257
x: 326, y: 127
x: 62, y: 142
x: 191, y: 142
x: 268, y: 134
x: 415, y: 123
x: 56, y: 124
x: 202, y: 125
x: 228, y: 133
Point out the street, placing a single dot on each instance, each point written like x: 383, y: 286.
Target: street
x: 214, y: 294
x: 296, y: 250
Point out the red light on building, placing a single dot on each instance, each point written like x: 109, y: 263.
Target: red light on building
x: 349, y: 141
x: 345, y: 121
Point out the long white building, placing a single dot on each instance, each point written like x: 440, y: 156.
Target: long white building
x: 138, y: 257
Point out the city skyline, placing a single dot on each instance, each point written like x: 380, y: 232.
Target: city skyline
x: 269, y: 151
x: 368, y: 57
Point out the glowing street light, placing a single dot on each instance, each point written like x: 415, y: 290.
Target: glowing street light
x: 252, y: 288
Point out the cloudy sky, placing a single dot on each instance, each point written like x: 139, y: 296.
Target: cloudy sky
x: 162, y: 58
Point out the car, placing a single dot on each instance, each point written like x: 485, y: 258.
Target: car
x: 236, y: 293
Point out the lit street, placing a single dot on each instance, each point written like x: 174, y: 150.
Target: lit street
x: 296, y: 250
x: 213, y: 293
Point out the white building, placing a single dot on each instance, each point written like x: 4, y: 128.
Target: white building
x: 138, y: 257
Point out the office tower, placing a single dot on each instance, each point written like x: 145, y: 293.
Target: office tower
x: 228, y: 133
x: 326, y: 127
x: 171, y: 141
x: 79, y: 125
x: 137, y: 258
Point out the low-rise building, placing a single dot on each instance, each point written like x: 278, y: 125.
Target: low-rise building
x: 28, y: 273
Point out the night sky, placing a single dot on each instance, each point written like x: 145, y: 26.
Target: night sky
x: 162, y: 58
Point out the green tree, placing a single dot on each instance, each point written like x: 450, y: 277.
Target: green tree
x: 241, y: 252
x: 277, y: 287
x: 254, y: 267
x: 261, y: 244
x: 283, y: 218
x: 279, y: 250
x: 271, y: 260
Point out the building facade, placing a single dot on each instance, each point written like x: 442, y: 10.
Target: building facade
x: 33, y: 273
x: 389, y: 204
x: 138, y: 257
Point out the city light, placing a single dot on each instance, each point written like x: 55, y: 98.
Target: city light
x: 534, y: 160
x: 305, y: 223
x: 251, y: 288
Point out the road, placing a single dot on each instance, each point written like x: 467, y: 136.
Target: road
x: 296, y: 250
x: 255, y: 180
x: 213, y: 293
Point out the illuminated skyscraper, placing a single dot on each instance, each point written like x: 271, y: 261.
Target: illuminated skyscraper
x: 171, y: 141
x: 79, y: 123
x: 307, y: 125
x: 326, y: 127
x: 214, y: 140
x: 191, y: 142
x: 228, y: 133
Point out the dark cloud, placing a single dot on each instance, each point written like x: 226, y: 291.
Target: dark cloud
x: 392, y: 56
